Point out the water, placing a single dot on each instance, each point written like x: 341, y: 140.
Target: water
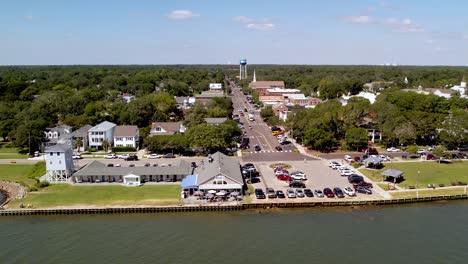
x: 2, y: 198
x: 422, y: 233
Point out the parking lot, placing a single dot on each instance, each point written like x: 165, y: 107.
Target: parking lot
x: 319, y: 176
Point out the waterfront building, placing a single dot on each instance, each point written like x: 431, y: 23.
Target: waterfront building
x: 59, y: 162
x: 127, y: 136
x: 82, y: 135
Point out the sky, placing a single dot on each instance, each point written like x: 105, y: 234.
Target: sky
x: 403, y: 32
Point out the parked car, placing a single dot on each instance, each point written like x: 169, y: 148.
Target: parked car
x: 328, y: 193
x: 299, y: 193
x: 253, y: 180
x: 110, y: 156
x: 346, y: 172
x: 257, y: 148
x: 169, y: 156
x: 76, y: 156
x: 154, y: 156
x: 283, y: 177
x: 393, y: 149
x: 147, y: 164
x: 318, y: 193
x: 131, y: 165
x: 123, y: 156
x: 362, y: 189
x: 291, y: 193
x: 334, y: 165
x: 271, y: 193
x: 308, y: 193
x: 421, y: 151
x: 349, y: 191
x: 280, y: 194
x: 259, y: 194
x: 110, y: 165
x: 338, y: 192
x: 297, y: 184
x: 131, y: 157
x: 431, y: 157
x: 355, y: 178
x: 363, y: 184
x: 278, y: 148
x: 348, y: 158
x: 297, y: 175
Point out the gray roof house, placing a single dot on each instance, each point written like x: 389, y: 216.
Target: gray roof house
x: 61, y: 134
x: 215, y: 121
x: 82, y: 134
x: 166, y: 128
x: 100, y: 132
x: 97, y: 171
x: 219, y: 172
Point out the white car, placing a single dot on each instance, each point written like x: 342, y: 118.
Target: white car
x: 110, y: 156
x: 421, y: 151
x: 349, y: 191
x: 385, y: 158
x: 154, y: 156
x: 393, y: 149
x: 297, y: 175
x: 123, y: 156
x: 76, y: 156
x: 348, y: 158
x: 341, y: 167
x: 291, y: 193
x: 333, y: 164
x: 347, y: 172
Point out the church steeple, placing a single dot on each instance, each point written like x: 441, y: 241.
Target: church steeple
x: 254, y: 77
x: 463, y: 82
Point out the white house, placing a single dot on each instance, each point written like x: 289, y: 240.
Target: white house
x: 461, y: 89
x: 216, y: 86
x: 166, y: 128
x: 59, y: 163
x: 126, y: 136
x: 99, y: 133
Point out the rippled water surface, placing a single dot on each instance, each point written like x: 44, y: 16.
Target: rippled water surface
x: 423, y: 233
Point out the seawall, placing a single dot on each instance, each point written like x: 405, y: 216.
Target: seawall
x: 223, y: 208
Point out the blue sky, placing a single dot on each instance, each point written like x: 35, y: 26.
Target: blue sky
x: 410, y: 32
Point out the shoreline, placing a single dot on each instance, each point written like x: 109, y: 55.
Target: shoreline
x: 6, y: 199
x: 220, y: 208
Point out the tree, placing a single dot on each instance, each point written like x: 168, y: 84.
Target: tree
x: 105, y: 145
x: 319, y: 139
x: 356, y: 138
x: 78, y: 144
x: 166, y: 143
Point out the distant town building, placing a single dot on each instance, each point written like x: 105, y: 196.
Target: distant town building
x: 127, y: 98
x: 126, y: 136
x: 82, y: 135
x: 101, y: 132
x: 184, y: 102
x: 206, y: 96
x: 281, y: 111
x: 61, y: 134
x: 167, y: 128
x: 369, y: 96
x: 262, y: 86
x: 215, y: 121
x: 216, y: 87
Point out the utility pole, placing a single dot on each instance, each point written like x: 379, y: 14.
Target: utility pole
x: 29, y: 142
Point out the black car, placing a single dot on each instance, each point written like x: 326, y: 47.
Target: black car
x: 278, y: 148
x: 110, y: 165
x: 257, y: 148
x: 328, y: 193
x: 259, y: 194
x: 355, y: 178
x: 147, y: 164
x: 308, y: 193
x: 338, y: 192
x: 280, y: 194
x: 253, y: 180
x: 131, y: 165
x: 297, y: 184
x: 131, y: 157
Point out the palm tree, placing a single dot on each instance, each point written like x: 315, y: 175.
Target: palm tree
x: 78, y: 144
x: 105, y: 145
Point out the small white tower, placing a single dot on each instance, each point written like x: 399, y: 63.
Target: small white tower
x: 243, y: 69
x: 463, y: 82
x: 59, y: 163
x: 254, y: 77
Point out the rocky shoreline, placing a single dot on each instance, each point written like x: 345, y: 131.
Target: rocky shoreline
x: 11, y: 191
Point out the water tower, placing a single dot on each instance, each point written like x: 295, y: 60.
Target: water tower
x: 243, y: 69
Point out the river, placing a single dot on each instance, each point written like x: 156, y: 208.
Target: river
x: 419, y: 233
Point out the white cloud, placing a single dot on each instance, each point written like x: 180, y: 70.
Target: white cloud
x: 181, y: 14
x: 29, y: 17
x: 263, y: 27
x: 243, y: 19
x: 409, y: 29
x: 406, y: 21
x: 360, y: 20
x: 429, y: 41
x: 387, y: 5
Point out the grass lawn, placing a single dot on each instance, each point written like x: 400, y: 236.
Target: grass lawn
x: 11, y: 153
x: 58, y: 195
x: 17, y: 173
x: 430, y: 173
x: 429, y: 192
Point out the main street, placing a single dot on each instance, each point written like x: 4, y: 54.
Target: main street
x: 260, y: 134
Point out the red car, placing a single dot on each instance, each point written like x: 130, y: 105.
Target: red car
x: 363, y: 184
x: 328, y: 193
x: 283, y: 177
x: 278, y: 169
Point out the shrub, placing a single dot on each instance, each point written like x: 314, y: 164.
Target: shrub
x: 42, y: 184
x: 32, y: 189
x: 91, y: 149
x: 123, y: 149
